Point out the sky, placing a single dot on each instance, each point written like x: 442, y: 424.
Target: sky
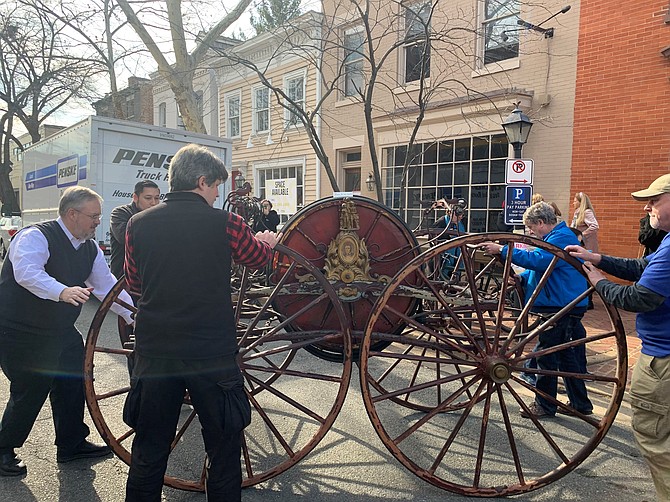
x: 77, y: 111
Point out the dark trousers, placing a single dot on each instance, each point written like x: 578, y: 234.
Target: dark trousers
x: 565, y: 360
x: 153, y: 406
x: 38, y: 366
x: 578, y: 332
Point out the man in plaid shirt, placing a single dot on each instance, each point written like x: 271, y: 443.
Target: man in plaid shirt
x: 178, y: 266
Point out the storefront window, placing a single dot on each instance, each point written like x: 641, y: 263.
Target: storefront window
x: 470, y: 168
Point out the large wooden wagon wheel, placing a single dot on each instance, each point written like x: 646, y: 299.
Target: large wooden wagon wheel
x: 293, y: 406
x: 472, y: 439
x: 359, y: 244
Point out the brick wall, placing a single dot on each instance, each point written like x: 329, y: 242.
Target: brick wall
x: 622, y: 113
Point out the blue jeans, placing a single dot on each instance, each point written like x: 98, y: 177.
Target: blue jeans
x: 564, y: 360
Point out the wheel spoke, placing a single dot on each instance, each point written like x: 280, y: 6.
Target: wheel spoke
x: 113, y: 393
x: 270, y: 424
x: 538, y: 424
x: 419, y: 326
x: 181, y: 430
x: 482, y: 434
x: 425, y: 385
x: 285, y: 372
x: 510, y: 436
x: 442, y: 301
x: 457, y: 428
x: 438, y: 409
x: 529, y: 304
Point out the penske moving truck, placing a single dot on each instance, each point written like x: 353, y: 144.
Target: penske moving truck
x: 108, y: 156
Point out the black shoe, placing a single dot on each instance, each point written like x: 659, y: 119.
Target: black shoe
x: 86, y: 449
x: 11, y: 465
x: 564, y: 411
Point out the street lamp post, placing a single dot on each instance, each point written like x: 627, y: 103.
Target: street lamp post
x: 517, y: 128
x: 370, y: 182
x: 239, y: 181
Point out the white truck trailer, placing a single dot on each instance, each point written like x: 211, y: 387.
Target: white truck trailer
x: 108, y: 156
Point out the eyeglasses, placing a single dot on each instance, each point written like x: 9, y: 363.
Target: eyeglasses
x: 265, y: 206
x: 94, y: 217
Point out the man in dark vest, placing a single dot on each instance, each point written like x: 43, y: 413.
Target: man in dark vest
x: 146, y: 195
x: 185, y: 335
x: 50, y: 271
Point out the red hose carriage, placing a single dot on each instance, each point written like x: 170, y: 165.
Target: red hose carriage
x: 440, y: 358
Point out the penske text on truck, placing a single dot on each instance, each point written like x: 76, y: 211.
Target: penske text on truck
x: 108, y: 156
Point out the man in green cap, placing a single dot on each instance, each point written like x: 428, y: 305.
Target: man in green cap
x: 649, y: 295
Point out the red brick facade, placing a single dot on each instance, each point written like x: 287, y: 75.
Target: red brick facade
x: 622, y: 113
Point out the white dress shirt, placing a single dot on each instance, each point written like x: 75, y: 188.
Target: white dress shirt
x: 29, y: 253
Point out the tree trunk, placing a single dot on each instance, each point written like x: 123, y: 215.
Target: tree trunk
x: 9, y: 202
x: 182, y: 87
x: 7, y: 198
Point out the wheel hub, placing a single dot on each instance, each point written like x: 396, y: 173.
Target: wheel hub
x: 497, y: 369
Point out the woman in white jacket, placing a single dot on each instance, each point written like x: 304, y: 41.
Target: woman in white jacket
x: 585, y: 221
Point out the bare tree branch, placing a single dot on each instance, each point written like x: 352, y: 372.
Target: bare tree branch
x: 180, y: 74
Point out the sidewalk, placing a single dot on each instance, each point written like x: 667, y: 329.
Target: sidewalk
x: 601, y: 354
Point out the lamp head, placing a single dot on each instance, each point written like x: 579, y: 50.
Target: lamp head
x: 517, y: 126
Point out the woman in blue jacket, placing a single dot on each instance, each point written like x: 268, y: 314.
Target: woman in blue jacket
x: 563, y: 285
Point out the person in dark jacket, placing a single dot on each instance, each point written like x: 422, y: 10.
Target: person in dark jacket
x: 564, y: 285
x: 185, y: 332
x: 268, y: 220
x: 146, y: 195
x: 453, y: 226
x: 50, y: 271
x: 649, y: 296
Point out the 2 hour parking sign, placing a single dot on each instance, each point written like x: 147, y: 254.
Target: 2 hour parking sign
x: 517, y: 200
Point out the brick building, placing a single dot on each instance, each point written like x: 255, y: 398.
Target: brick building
x: 621, y: 135
x: 134, y: 102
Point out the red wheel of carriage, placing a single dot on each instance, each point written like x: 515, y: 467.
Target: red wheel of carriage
x: 289, y: 417
x: 462, y: 361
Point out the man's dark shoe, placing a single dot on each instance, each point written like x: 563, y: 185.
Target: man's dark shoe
x: 563, y: 411
x: 11, y: 465
x: 535, y: 410
x: 86, y: 449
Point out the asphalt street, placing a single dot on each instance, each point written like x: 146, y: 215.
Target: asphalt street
x: 350, y: 463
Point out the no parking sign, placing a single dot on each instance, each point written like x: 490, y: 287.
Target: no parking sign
x: 519, y: 172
